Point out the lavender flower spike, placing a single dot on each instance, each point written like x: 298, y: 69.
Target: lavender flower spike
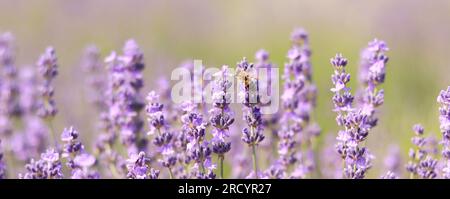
x: 253, y: 133
x: 421, y: 163
x: 444, y: 118
x: 48, y: 167
x: 131, y: 99
x: 138, y: 167
x: 77, y: 159
x: 93, y: 67
x: 306, y: 103
x: 357, y: 159
x: 197, y: 147
x: 372, y: 75
x: 163, y: 139
x: 48, y: 69
x: 125, y: 100
x: 389, y: 175
x: 83, y: 167
x: 222, y: 117
x: 9, y: 87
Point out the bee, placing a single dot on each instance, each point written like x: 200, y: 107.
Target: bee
x: 246, y: 75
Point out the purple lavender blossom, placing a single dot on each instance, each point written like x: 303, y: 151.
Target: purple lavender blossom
x: 92, y: 66
x: 27, y: 144
x: 48, y: 167
x: 372, y: 62
x: 222, y: 117
x: 32, y: 138
x: 71, y: 144
x: 165, y: 91
x: 125, y: 100
x: 389, y: 175
x: 253, y: 133
x: 307, y: 98
x: 421, y: 164
x: 132, y: 60
x: 331, y: 166
x: 270, y: 122
x: 444, y: 119
x: 83, y: 164
x: 275, y: 171
x: 163, y: 140
x: 188, y: 139
x: 298, y: 101
x: 427, y: 168
x: 48, y: 69
x: 77, y: 159
x: 197, y: 147
x: 372, y: 74
x: 393, y: 161
x: 9, y: 88
x: 138, y: 167
x: 357, y: 159
x: 182, y: 139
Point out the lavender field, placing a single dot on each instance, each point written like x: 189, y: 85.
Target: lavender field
x: 224, y: 89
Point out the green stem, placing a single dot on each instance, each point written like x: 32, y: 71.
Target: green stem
x: 10, y: 164
x: 255, y: 161
x: 111, y: 165
x: 202, y: 167
x: 221, y: 158
x: 343, y: 169
x: 170, y: 172
x: 113, y: 170
x: 52, y: 132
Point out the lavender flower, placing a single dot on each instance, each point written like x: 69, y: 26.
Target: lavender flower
x: 253, y: 133
x: 163, y: 140
x: 389, y: 175
x: 82, y: 164
x: 421, y: 164
x: 372, y: 64
x: 222, y: 117
x: 138, y: 167
x: 357, y: 159
x: 165, y: 91
x: 71, y: 144
x: 427, y: 168
x: 9, y: 88
x: 46, y: 108
x: 270, y: 122
x: 444, y: 118
x: 372, y: 74
x: 298, y: 101
x: 48, y: 69
x: 198, y: 148
x: 126, y: 103
x: 48, y: 167
x: 181, y: 140
x: 92, y: 66
x: 306, y: 102
x: 331, y: 166
x: 78, y: 160
x: 275, y: 171
x: 393, y: 161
